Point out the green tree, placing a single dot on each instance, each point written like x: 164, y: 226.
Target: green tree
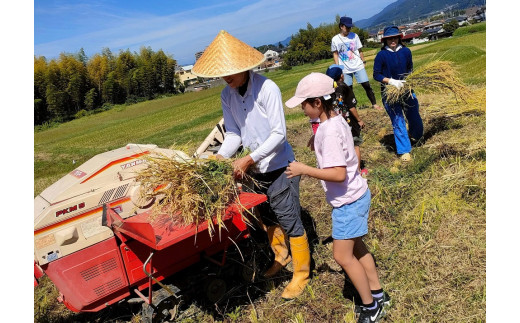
x: 124, y: 74
x: 82, y: 57
x: 40, y: 87
x: 112, y: 92
x: 40, y: 112
x: 74, y: 74
x: 40, y: 82
x: 98, y: 68
x: 451, y: 26
x: 90, y: 99
x: 58, y: 102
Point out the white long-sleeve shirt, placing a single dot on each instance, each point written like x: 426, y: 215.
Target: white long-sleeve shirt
x: 256, y: 121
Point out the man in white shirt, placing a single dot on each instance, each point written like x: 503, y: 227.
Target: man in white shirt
x: 346, y: 49
x: 254, y: 118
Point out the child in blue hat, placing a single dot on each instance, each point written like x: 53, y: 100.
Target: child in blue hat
x: 391, y: 65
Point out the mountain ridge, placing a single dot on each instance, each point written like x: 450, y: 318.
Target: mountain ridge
x: 404, y: 11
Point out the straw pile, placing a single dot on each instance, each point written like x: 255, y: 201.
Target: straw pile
x: 435, y: 77
x: 189, y: 191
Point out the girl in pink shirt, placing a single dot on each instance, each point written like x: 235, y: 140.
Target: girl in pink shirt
x: 345, y: 189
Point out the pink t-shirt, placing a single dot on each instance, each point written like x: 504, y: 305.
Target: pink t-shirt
x: 334, y: 146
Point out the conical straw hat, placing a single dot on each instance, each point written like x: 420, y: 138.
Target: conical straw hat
x: 226, y: 55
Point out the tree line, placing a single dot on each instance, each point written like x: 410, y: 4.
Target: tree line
x: 312, y: 44
x: 74, y: 85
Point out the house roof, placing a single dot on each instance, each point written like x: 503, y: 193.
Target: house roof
x: 270, y: 53
x: 187, y: 67
x: 437, y: 23
x: 411, y: 36
x: 433, y: 30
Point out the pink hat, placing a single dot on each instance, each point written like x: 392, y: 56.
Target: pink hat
x: 313, y: 85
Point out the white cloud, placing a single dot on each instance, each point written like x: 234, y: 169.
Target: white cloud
x: 186, y: 32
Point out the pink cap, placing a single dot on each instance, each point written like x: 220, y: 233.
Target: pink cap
x: 313, y: 85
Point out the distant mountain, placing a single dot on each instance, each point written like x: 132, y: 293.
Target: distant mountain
x: 285, y: 42
x: 403, y: 11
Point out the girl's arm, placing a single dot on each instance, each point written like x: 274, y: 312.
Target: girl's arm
x: 353, y: 112
x: 332, y: 174
x: 378, y: 69
x: 336, y: 57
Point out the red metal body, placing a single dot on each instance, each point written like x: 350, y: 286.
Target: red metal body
x: 107, y: 272
x: 38, y: 273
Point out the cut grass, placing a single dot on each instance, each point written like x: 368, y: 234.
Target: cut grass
x: 189, y: 191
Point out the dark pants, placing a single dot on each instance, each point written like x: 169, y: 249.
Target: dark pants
x: 283, y: 201
x: 368, y: 89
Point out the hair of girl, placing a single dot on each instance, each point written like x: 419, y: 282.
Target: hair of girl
x: 328, y: 105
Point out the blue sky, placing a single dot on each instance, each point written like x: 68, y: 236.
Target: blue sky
x: 180, y: 28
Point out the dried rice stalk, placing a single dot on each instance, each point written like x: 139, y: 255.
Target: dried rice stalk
x: 434, y: 77
x: 189, y: 191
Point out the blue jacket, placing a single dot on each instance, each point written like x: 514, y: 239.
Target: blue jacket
x: 391, y: 64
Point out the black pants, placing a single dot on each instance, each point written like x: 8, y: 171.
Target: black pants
x: 283, y: 201
x: 368, y: 89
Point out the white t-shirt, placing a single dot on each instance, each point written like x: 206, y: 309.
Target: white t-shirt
x: 334, y: 146
x: 348, y: 52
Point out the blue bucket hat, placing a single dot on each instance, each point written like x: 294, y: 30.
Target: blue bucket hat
x: 347, y: 21
x: 334, y: 72
x: 391, y: 31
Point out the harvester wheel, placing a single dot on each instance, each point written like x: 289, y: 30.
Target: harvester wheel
x: 249, y: 271
x: 215, y: 288
x: 164, y: 307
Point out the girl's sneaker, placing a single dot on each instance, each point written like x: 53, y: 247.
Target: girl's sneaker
x: 370, y: 316
x: 385, y: 300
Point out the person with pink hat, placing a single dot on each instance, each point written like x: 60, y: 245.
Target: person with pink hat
x: 345, y: 190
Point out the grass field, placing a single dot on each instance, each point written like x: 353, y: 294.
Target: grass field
x: 427, y: 223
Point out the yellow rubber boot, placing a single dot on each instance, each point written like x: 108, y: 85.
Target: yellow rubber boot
x: 301, y: 264
x: 277, y: 238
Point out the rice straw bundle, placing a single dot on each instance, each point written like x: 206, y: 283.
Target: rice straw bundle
x: 434, y: 77
x: 189, y: 191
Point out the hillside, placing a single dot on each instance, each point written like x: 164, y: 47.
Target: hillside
x: 427, y: 225
x: 403, y: 10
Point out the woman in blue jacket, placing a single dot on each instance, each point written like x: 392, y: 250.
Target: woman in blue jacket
x: 391, y: 65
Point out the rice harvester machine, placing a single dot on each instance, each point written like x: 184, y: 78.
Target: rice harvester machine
x: 94, y: 240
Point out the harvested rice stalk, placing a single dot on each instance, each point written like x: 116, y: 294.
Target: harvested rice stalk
x: 434, y: 77
x: 189, y: 191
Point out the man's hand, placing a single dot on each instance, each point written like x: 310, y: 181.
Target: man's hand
x: 241, y: 165
x: 361, y: 124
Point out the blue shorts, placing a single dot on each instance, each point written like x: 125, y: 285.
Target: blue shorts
x: 361, y: 77
x: 351, y: 220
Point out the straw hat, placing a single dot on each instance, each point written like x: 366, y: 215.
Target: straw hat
x: 226, y: 55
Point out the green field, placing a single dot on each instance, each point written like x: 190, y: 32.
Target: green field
x: 427, y: 225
